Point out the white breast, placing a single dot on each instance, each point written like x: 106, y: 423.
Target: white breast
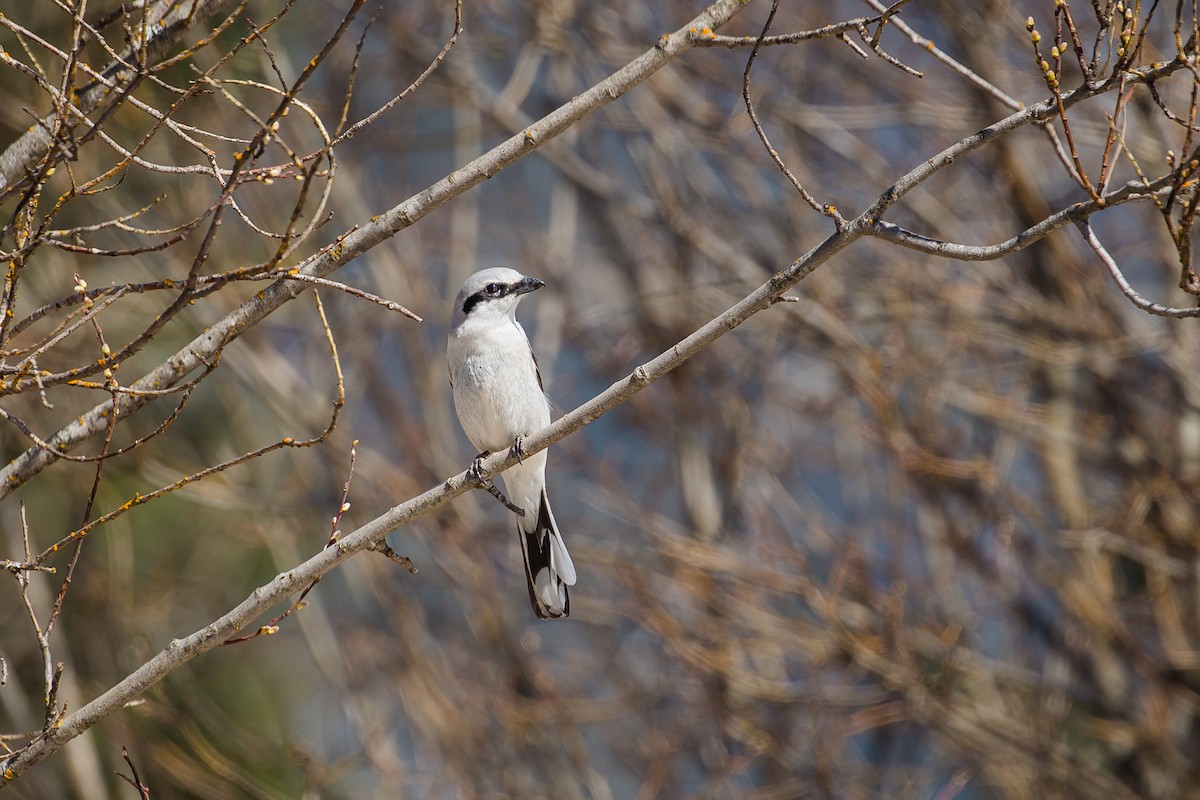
x: 496, y: 391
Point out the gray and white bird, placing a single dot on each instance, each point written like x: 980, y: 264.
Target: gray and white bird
x: 499, y: 399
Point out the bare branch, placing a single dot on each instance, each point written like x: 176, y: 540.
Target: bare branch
x: 132, y: 778
x: 348, y: 133
x: 827, y: 209
x: 1110, y: 264
x: 1074, y: 213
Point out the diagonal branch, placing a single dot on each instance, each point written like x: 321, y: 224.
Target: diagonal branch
x: 368, y: 537
x: 1076, y: 212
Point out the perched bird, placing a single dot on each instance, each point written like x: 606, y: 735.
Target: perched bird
x: 499, y: 399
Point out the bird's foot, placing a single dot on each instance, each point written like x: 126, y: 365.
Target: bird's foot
x: 518, y: 448
x: 475, y: 471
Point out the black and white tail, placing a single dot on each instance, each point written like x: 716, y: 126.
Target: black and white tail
x: 548, y: 566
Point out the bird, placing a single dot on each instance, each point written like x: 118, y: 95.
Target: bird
x: 500, y: 399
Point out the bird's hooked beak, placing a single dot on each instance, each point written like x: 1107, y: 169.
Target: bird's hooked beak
x: 527, y: 285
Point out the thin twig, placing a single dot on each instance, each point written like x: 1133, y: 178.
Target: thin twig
x: 133, y: 779
x: 827, y: 209
x: 709, y: 38
x: 1114, y: 269
x: 335, y: 532
x: 412, y: 87
x: 40, y: 634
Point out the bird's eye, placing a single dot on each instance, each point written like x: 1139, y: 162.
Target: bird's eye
x: 492, y: 288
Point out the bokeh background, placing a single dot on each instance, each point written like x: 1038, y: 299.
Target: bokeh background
x: 929, y: 531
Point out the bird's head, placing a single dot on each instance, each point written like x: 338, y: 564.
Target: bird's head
x: 492, y: 293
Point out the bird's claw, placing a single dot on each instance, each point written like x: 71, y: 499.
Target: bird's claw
x: 475, y: 471
x: 518, y: 448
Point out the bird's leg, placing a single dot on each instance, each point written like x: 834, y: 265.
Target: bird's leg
x: 496, y: 493
x: 475, y: 473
